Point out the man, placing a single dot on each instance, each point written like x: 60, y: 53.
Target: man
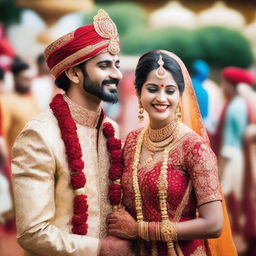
x: 8, y: 120
x: 60, y: 160
x: 234, y: 159
x: 19, y: 106
x: 43, y: 85
x: 201, y: 72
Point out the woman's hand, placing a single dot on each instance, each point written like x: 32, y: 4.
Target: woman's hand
x: 121, y: 224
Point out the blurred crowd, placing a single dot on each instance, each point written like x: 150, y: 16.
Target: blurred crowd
x: 228, y: 107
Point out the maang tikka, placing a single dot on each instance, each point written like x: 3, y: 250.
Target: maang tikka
x: 160, y: 72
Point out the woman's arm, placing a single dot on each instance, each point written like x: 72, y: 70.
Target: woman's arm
x: 207, y: 225
x: 201, y: 164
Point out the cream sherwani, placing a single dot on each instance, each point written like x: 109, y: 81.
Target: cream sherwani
x: 41, y: 180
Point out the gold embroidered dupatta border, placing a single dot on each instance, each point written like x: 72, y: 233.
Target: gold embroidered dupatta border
x: 223, y: 245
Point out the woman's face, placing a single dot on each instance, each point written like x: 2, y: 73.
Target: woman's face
x: 160, y: 98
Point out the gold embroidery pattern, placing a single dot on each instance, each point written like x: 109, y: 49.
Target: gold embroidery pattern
x: 106, y: 28
x: 58, y: 43
x: 200, y: 251
x: 183, y: 203
x: 67, y: 62
x: 105, y: 207
x: 203, y: 169
x: 82, y: 115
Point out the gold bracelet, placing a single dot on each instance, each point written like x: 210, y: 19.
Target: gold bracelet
x: 143, y: 230
x: 140, y: 226
x: 168, y: 231
x: 158, y: 233
x: 146, y: 230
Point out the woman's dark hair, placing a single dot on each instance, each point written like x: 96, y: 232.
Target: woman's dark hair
x: 148, y: 62
x: 63, y: 81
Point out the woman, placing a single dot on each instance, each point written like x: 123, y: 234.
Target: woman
x: 170, y: 183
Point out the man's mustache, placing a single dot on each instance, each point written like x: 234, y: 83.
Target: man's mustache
x: 111, y: 81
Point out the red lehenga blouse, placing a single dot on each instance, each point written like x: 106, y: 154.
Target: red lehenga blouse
x: 192, y: 181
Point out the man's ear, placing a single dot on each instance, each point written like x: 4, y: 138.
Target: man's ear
x: 74, y: 74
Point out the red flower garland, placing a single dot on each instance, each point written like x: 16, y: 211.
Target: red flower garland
x: 76, y: 165
x: 116, y: 164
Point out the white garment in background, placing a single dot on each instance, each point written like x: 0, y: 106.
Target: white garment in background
x: 233, y: 175
x: 43, y: 88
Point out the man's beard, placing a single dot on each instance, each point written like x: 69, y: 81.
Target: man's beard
x: 97, y: 89
x: 22, y: 90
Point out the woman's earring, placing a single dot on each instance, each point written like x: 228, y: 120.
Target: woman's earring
x: 178, y: 112
x: 141, y: 110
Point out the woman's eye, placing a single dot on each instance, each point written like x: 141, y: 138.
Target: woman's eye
x: 152, y: 90
x: 170, y: 92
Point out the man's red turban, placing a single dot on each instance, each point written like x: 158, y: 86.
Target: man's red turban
x: 236, y: 75
x: 82, y: 44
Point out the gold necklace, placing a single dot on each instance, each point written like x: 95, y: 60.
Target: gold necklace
x: 161, y: 134
x: 169, y: 133
x: 162, y: 184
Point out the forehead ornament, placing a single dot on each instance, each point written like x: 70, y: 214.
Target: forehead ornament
x: 161, y: 72
x: 106, y: 28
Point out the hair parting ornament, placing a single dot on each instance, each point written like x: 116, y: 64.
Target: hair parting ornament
x: 161, y: 72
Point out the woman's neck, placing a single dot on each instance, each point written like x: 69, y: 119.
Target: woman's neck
x: 161, y: 124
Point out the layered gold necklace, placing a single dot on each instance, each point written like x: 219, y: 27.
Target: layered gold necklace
x: 156, y: 140
x: 162, y: 180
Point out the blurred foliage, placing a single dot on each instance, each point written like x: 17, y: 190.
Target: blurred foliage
x: 177, y: 40
x: 126, y: 16
x: 224, y: 47
x: 219, y: 46
x: 9, y: 12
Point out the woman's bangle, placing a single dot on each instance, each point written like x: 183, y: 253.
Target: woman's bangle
x: 158, y: 231
x: 168, y: 231
x: 143, y: 231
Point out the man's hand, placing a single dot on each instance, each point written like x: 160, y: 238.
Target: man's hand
x: 113, y: 246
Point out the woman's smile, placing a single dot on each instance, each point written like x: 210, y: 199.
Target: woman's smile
x: 160, y: 107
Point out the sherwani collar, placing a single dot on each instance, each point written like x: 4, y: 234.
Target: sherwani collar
x: 81, y: 115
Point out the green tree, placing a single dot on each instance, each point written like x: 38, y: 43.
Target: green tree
x: 223, y: 47
x: 126, y: 16
x: 9, y: 12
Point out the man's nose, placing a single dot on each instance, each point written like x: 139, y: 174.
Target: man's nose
x: 116, y: 74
